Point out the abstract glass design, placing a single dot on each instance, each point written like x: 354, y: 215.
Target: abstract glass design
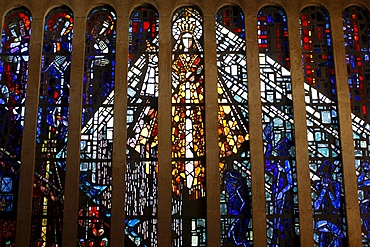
x: 141, y: 199
x: 52, y: 130
x: 278, y: 128
x: 97, y: 129
x: 233, y: 126
x: 188, y: 129
x: 356, y: 27
x: 14, y: 56
x: 325, y: 160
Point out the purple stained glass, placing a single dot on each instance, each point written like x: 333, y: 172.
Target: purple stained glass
x: 14, y: 56
x: 52, y: 130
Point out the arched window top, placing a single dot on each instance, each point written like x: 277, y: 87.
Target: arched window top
x: 356, y: 28
x: 106, y: 9
x: 17, y: 28
x: 100, y: 30
x: 230, y: 29
x: 187, y: 29
x: 59, y: 27
x: 273, y: 39
x: 232, y: 18
x: 318, y: 16
x: 144, y: 29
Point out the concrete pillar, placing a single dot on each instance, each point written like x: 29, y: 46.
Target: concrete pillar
x: 119, y: 136
x: 29, y: 134
x: 301, y: 144
x: 345, y: 123
x: 255, y: 128
x: 164, y: 126
x: 211, y: 126
x: 72, y: 179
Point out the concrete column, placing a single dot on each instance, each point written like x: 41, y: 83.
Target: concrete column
x: 29, y: 132
x: 345, y: 123
x: 164, y: 126
x: 255, y: 129
x: 301, y: 143
x: 211, y: 126
x: 120, y: 136
x: 72, y: 179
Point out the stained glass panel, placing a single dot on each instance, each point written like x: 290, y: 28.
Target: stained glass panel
x: 97, y: 129
x: 356, y: 27
x: 233, y: 126
x: 188, y: 130
x: 14, y: 56
x: 325, y: 158
x: 142, y: 128
x: 278, y: 128
x: 52, y: 129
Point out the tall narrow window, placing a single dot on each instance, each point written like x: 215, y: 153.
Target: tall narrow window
x: 278, y: 128
x: 142, y: 128
x: 233, y: 126
x: 188, y: 129
x: 14, y: 51
x: 52, y: 129
x: 325, y: 159
x: 97, y: 129
x: 356, y: 27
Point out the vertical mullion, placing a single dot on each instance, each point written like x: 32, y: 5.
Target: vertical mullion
x: 24, y: 210
x: 303, y: 172
x: 346, y: 135
x: 211, y: 125
x: 120, y: 134
x: 164, y: 129
x: 74, y: 128
x: 255, y: 127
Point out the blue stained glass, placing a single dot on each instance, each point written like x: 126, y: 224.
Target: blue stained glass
x: 322, y: 133
x: 14, y: 57
x: 235, y: 174
x: 52, y: 130
x: 94, y: 213
x: 13, y: 75
x: 356, y: 29
x: 278, y: 128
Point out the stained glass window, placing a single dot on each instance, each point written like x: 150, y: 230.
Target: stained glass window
x: 97, y: 129
x: 356, y: 27
x: 14, y: 51
x: 278, y: 128
x: 52, y: 129
x: 325, y: 160
x: 233, y: 126
x: 188, y: 129
x: 142, y: 128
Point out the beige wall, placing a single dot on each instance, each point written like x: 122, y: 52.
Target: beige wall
x: 39, y: 9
